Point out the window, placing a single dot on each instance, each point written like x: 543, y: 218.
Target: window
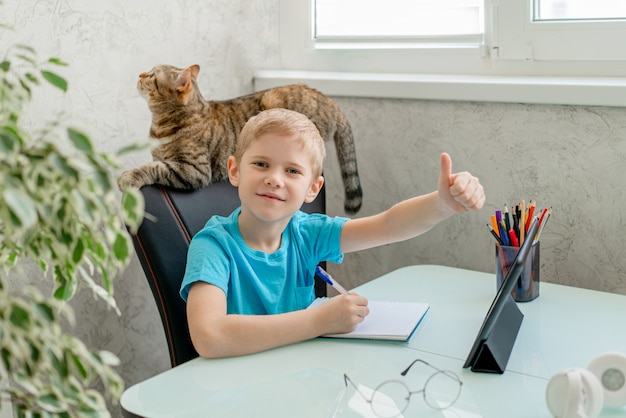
x: 523, y: 51
x: 485, y: 37
x: 368, y: 19
x: 561, y: 30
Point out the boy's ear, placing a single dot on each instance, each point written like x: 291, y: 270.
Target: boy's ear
x: 233, y: 171
x: 314, y: 189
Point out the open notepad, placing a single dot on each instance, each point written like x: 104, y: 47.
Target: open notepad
x: 386, y: 320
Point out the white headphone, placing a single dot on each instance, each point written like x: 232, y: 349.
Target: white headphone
x: 581, y: 393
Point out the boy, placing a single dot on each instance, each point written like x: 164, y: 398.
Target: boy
x: 249, y: 276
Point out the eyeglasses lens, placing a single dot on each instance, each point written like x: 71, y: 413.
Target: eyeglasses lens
x: 390, y: 399
x: 442, y: 390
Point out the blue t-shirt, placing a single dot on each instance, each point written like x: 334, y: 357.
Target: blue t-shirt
x: 255, y: 282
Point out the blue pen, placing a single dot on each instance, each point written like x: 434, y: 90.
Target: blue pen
x: 328, y: 279
x: 504, y: 234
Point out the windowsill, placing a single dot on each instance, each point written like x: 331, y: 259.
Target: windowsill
x: 595, y: 91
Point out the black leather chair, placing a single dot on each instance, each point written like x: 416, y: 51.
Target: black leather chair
x: 161, y: 245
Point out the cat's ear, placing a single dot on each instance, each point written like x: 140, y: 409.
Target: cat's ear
x: 183, y: 82
x: 195, y: 70
x: 314, y: 189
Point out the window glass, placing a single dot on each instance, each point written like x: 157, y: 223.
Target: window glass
x: 397, y: 18
x: 579, y: 9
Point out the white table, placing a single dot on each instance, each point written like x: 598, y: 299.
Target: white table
x: 564, y: 327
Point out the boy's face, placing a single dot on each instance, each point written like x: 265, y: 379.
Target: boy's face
x: 274, y: 177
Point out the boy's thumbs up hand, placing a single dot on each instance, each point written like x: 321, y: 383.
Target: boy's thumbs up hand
x: 460, y: 191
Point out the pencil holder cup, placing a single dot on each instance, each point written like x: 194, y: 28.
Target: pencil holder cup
x: 527, y: 286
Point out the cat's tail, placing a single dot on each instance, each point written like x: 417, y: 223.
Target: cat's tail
x: 346, y: 154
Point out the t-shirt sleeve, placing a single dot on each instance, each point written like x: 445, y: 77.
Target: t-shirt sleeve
x: 323, y: 233
x: 213, y: 269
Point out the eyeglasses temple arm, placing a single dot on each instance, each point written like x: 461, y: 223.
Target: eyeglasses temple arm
x: 411, y: 365
x: 346, y: 379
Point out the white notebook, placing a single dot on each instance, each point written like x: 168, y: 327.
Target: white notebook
x: 386, y: 321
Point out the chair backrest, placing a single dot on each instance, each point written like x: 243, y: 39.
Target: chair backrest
x: 161, y: 245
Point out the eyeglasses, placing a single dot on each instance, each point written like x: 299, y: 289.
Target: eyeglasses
x: 391, y: 398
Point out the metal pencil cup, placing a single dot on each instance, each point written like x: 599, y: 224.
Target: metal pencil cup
x: 527, y: 286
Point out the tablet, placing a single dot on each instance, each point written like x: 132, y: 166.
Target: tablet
x: 503, y: 294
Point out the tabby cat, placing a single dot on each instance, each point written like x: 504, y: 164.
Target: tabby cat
x: 197, y: 136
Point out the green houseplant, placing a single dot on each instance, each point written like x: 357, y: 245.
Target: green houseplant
x: 59, y: 212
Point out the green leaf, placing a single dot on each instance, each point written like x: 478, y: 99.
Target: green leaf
x: 92, y: 401
x: 107, y: 284
x: 79, y: 250
x: 120, y: 247
x: 24, y: 380
x: 46, y: 312
x: 7, y: 142
x: 60, y: 365
x: 82, y: 208
x: 32, y: 78
x: 50, y: 402
x: 137, y: 146
x: 26, y: 48
x: 54, y: 79
x: 82, y: 370
x: 25, y: 87
x: 101, y: 179
x: 133, y: 206
x: 62, y: 164
x: 35, y: 353
x: 65, y: 286
x: 28, y: 59
x: 80, y: 140
x: 89, y: 413
x: 20, y: 317
x: 57, y: 61
x: 14, y: 133
x: 130, y: 201
x: 7, y: 356
x: 5, y: 66
x: 100, y: 251
x: 22, y: 206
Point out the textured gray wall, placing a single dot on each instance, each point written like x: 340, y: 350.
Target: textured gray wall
x: 571, y: 158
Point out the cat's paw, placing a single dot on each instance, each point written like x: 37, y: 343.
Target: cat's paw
x: 128, y: 179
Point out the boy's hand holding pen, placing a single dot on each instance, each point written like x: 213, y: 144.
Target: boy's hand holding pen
x: 513, y: 232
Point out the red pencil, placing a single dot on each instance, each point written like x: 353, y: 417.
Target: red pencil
x: 543, y: 214
x: 513, y: 238
x: 529, y: 218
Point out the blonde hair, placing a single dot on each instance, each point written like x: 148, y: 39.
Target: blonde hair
x: 284, y: 122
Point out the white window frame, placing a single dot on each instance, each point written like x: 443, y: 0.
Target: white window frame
x: 517, y: 37
x: 498, y: 67
x: 299, y: 51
